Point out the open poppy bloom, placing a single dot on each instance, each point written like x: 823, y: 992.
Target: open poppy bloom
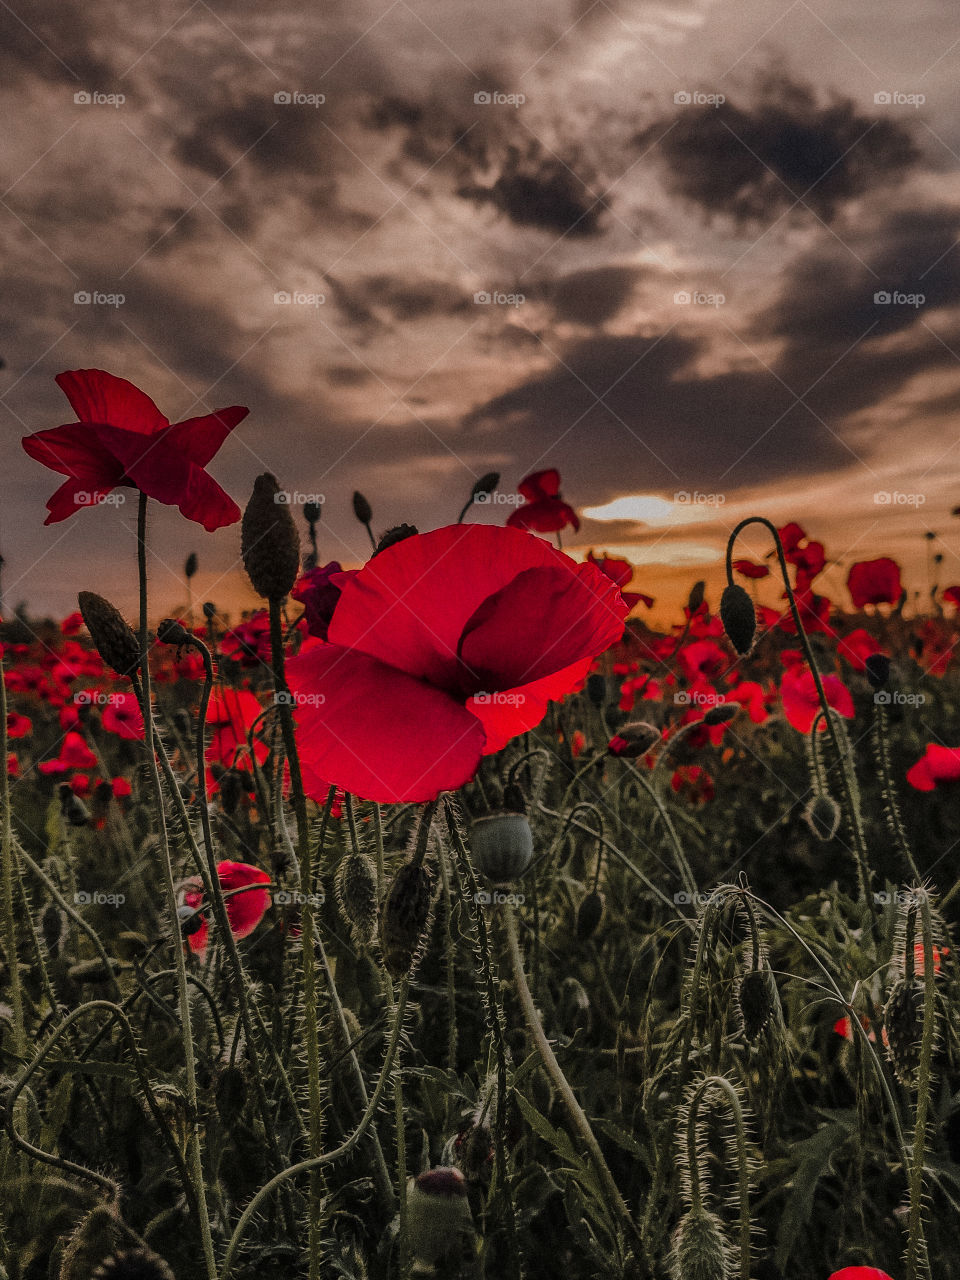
x: 874, y: 582
x: 74, y: 754
x: 441, y: 649
x: 230, y: 714
x: 936, y: 765
x: 122, y: 438
x: 244, y: 910
x: 801, y: 706
x: 857, y: 647
x: 544, y: 510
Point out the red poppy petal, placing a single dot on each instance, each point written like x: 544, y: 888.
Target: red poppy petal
x: 513, y: 711
x: 378, y: 732
x: 74, y: 450
x: 71, y: 497
x: 200, y: 438
x: 244, y: 910
x: 97, y: 396
x: 540, y: 484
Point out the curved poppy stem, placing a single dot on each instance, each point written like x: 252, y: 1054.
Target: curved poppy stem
x: 8, y: 870
x: 917, y: 1262
x: 860, y: 847
x: 194, y: 1158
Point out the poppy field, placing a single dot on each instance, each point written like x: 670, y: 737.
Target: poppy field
x: 443, y: 917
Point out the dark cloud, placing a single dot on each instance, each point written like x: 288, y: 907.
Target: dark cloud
x: 755, y: 162
x: 63, y: 44
x: 537, y: 190
x: 374, y: 301
x: 594, y: 295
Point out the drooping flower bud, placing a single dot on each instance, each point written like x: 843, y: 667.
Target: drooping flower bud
x: 110, y: 632
x: 502, y: 846
x: 822, y: 816
x: 53, y: 928
x: 634, y: 740
x: 356, y: 888
x: 695, y: 599
x: 739, y: 618
x: 485, y: 485
x: 172, y: 631
x: 722, y: 713
x: 133, y: 1264
x: 190, y: 566
x: 903, y: 1023
x: 877, y: 669
x: 269, y: 542
x: 362, y: 508
x: 589, y: 915
x: 404, y: 918
x: 597, y: 688
x: 756, y: 998
x: 438, y: 1213
x: 700, y: 1249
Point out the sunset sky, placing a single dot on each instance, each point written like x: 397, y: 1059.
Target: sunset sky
x: 590, y: 162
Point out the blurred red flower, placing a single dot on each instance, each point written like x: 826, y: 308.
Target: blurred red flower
x: 122, y: 716
x: 798, y: 693
x: 318, y: 590
x: 857, y: 647
x: 860, y: 1273
x: 937, y: 765
x: 620, y: 572
x: 442, y: 648
x: 244, y: 910
x: 74, y: 754
x: 694, y: 782
x: 874, y: 582
x: 71, y: 624
x: 751, y: 570
x: 952, y: 595
x: 544, y: 510
x: 229, y: 716
x: 18, y: 726
x: 249, y: 641
x: 122, y: 438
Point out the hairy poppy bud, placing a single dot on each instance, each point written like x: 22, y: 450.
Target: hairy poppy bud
x: 877, y: 669
x: 903, y: 1023
x: 191, y: 565
x: 634, y: 739
x: 397, y: 534
x: 438, y: 1213
x: 700, y: 1249
x: 171, y: 631
x: 756, y: 998
x: 723, y: 713
x: 362, y: 508
x: 474, y: 1151
x: 191, y: 921
x: 589, y: 915
x: 502, y: 846
x: 574, y: 1007
x: 739, y: 618
x: 133, y: 1264
x: 356, y: 888
x: 822, y: 816
x: 209, y: 610
x: 232, y: 785
x: 311, y: 512
x: 404, y: 918
x: 269, y: 542
x: 485, y: 485
x: 110, y: 632
x: 230, y: 1093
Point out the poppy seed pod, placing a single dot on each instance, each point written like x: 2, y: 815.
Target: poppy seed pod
x: 110, y: 632
x: 171, y: 631
x: 312, y: 512
x: 438, y: 1213
x: 362, y: 508
x: 94, y: 971
x: 404, y: 917
x: 700, y: 1249
x: 269, y: 542
x: 133, y: 1264
x: 877, y: 669
x: 397, y: 534
x: 739, y: 618
x: 822, y: 816
x: 597, y: 688
x: 502, y: 846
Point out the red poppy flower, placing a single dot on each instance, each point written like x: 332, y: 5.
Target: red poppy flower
x: 857, y: 647
x: 620, y: 572
x: 69, y: 717
x: 18, y: 726
x: 74, y: 754
x: 442, y: 648
x: 80, y: 784
x: 702, y: 659
x: 122, y: 716
x: 800, y: 702
x: 814, y: 613
x: 874, y: 582
x: 244, y: 910
x: 860, y: 1273
x: 13, y: 766
x: 952, y: 595
x: 249, y: 642
x: 791, y: 535
x: 751, y: 570
x: 71, y: 624
x: 544, y: 510
x: 318, y: 590
x: 752, y: 698
x: 936, y: 765
x: 230, y: 714
x: 694, y: 781
x: 121, y: 788
x: 122, y: 438
x: 843, y: 1027
x: 577, y: 742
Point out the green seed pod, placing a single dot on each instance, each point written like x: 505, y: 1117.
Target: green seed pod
x: 756, y: 999
x: 133, y: 1264
x: 110, y: 632
x: 822, y: 816
x: 589, y: 915
x: 700, y: 1249
x: 403, y: 920
x: 269, y: 542
x: 903, y: 1023
x: 438, y: 1213
x: 502, y: 846
x: 356, y: 889
x: 739, y: 618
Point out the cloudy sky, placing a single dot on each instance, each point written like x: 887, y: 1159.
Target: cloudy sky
x: 683, y: 213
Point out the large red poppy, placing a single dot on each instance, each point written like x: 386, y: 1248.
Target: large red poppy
x: 544, y: 510
x: 122, y: 438
x: 244, y: 910
x: 801, y: 706
x: 874, y: 582
x: 937, y: 764
x: 442, y: 648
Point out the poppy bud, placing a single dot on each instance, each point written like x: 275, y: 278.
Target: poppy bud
x: 53, y: 928
x: 589, y: 915
x: 191, y: 565
x: 474, y: 1151
x: 723, y: 713
x: 502, y: 846
x: 486, y: 484
x: 438, y: 1213
x: 695, y: 599
x: 230, y: 1093
x: 634, y: 740
x: 397, y: 534
x: 362, y: 508
x: 170, y: 631
x: 111, y: 634
x: 133, y: 1264
x: 756, y: 998
x: 209, y: 610
x: 231, y: 790
x: 822, y: 816
x: 739, y: 618
x: 700, y: 1249
x: 903, y: 1023
x: 356, y: 888
x: 597, y: 688
x: 404, y: 917
x: 191, y: 921
x: 877, y: 669
x: 269, y: 542
x: 311, y: 512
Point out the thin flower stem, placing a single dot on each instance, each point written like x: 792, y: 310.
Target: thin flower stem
x: 684, y: 866
x: 9, y: 875
x: 917, y: 1262
x: 724, y: 1086
x: 194, y: 1158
